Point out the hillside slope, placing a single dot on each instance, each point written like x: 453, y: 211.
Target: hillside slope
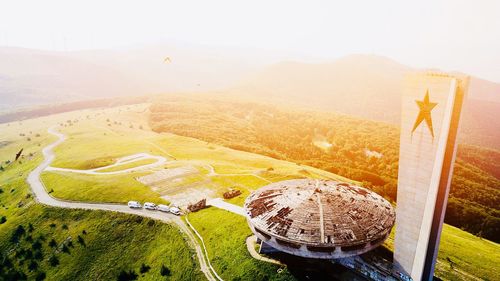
x: 46, y: 243
x: 359, y: 149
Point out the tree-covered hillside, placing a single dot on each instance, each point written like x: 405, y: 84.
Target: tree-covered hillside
x: 359, y: 149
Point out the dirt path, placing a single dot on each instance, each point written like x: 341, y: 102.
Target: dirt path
x: 251, y: 240
x: 160, y: 160
x: 43, y: 197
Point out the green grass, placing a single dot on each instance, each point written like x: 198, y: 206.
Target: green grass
x: 128, y: 165
x: 224, y: 235
x: 98, y: 188
x: 470, y: 255
x: 91, y: 144
x: 113, y: 241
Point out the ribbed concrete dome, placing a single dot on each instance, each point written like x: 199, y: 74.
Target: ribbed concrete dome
x: 316, y: 218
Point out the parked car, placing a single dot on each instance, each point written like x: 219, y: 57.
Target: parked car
x: 150, y: 206
x: 134, y: 204
x: 176, y: 211
x: 163, y: 208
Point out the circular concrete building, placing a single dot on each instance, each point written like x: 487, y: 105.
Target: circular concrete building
x: 319, y: 219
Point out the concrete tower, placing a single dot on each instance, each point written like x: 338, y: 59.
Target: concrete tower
x: 431, y: 108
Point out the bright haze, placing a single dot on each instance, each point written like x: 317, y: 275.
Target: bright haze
x: 447, y: 34
x: 307, y: 51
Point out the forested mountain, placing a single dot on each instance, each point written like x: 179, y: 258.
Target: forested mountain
x: 370, y: 87
x: 359, y: 149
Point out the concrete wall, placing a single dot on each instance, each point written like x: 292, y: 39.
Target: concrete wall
x: 421, y: 159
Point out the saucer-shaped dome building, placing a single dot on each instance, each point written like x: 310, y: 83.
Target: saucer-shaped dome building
x: 318, y: 218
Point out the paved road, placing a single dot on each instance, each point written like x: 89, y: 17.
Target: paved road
x: 221, y: 204
x: 43, y: 197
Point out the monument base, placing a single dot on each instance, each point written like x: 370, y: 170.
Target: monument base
x: 371, y: 265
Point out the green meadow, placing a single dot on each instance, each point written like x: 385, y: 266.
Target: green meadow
x: 119, y: 188
x: 45, y: 243
x: 472, y: 257
x: 224, y: 234
x: 117, y: 243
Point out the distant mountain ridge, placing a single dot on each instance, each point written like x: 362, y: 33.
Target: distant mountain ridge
x: 32, y: 77
x: 370, y: 87
x: 367, y: 86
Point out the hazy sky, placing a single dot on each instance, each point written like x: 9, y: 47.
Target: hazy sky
x: 447, y: 34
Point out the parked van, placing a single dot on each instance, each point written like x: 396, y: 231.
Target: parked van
x: 163, y: 208
x: 134, y: 204
x: 150, y: 206
x: 176, y: 211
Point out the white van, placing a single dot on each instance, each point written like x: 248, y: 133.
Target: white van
x: 176, y: 211
x: 150, y: 206
x: 134, y: 204
x: 163, y: 208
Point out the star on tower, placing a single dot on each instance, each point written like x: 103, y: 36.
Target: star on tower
x: 425, y: 113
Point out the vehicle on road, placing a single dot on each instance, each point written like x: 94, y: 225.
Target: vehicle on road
x: 176, y: 211
x: 150, y: 206
x: 163, y: 208
x: 134, y: 204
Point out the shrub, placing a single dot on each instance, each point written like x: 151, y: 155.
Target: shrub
x: 33, y: 265
x: 144, y: 268
x: 80, y: 240
x: 3, y: 219
x: 164, y: 271
x: 52, y: 243
x: 38, y: 255
x: 40, y: 276
x: 127, y: 275
x: 28, y: 238
x: 53, y: 261
x: 65, y: 249
x: 36, y: 245
x: 18, y: 233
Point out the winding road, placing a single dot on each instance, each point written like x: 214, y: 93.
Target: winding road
x: 43, y: 197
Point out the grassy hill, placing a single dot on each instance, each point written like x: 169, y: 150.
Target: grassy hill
x: 44, y: 243
x: 104, y: 245
x: 462, y: 256
x: 98, y: 141
x: 359, y: 149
